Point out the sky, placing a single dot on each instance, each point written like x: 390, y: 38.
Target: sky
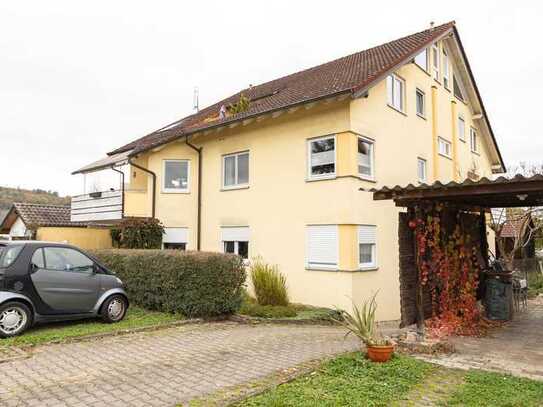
x: 78, y: 79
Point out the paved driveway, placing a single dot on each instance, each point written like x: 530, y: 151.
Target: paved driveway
x: 516, y: 348
x: 162, y: 368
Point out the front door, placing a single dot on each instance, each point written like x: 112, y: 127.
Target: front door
x: 65, y: 279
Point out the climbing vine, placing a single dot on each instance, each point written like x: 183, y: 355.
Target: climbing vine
x: 448, y: 269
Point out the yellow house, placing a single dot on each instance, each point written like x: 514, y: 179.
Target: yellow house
x: 276, y: 169
x: 52, y: 223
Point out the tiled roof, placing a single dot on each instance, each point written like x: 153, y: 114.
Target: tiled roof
x: 350, y: 74
x: 36, y: 215
x: 511, y: 228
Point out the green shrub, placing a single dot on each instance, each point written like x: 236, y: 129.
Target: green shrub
x: 138, y: 233
x: 192, y: 283
x: 267, y: 311
x: 269, y: 283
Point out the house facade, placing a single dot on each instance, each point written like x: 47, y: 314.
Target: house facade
x: 287, y: 177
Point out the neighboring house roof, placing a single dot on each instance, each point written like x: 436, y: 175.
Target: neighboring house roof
x: 39, y: 215
x: 352, y: 74
x: 511, y: 228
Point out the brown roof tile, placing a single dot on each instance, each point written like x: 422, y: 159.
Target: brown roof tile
x: 344, y: 75
x: 37, y: 215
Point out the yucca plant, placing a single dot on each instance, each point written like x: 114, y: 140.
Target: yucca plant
x: 361, y: 323
x: 269, y: 283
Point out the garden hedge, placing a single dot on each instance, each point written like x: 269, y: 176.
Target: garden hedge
x: 196, y: 284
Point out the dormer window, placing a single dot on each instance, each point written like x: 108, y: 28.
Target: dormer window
x: 422, y: 60
x: 445, y: 69
x: 457, y: 89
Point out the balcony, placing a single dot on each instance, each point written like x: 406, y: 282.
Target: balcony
x: 104, y: 206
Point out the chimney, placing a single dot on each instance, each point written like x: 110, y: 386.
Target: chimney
x: 196, y: 100
x: 431, y: 26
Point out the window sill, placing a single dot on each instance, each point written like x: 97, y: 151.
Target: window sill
x: 421, y: 116
x: 422, y: 69
x: 462, y: 140
x: 396, y: 109
x: 448, y: 157
x: 475, y: 152
x: 174, y: 192
x: 323, y: 178
x: 367, y: 178
x: 315, y: 268
x: 234, y: 188
x: 369, y: 268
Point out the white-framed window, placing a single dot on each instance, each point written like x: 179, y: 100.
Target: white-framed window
x: 461, y: 129
x: 473, y: 140
x: 422, y: 59
x: 235, y: 170
x: 396, y: 92
x: 175, y: 238
x: 365, y: 157
x: 458, y: 88
x: 422, y: 170
x: 444, y: 147
x: 322, y: 246
x: 235, y: 239
x: 176, y: 176
x: 322, y: 157
x: 445, y: 69
x: 435, y: 61
x: 367, y: 246
x: 420, y: 102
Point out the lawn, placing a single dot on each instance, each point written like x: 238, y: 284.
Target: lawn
x: 351, y: 380
x: 135, y: 318
x: 493, y: 389
x: 348, y: 380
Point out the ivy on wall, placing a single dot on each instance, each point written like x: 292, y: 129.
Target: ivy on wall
x: 448, y: 269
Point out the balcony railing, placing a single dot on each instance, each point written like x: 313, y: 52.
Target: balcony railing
x: 97, y: 206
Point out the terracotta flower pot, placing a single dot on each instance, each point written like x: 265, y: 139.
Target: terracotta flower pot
x: 380, y: 353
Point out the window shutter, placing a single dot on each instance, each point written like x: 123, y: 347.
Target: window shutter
x: 367, y: 234
x: 322, y: 245
x: 235, y: 233
x: 175, y: 235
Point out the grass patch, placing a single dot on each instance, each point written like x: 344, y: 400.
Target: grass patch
x: 135, y: 318
x: 494, y: 389
x: 348, y: 380
x: 251, y: 308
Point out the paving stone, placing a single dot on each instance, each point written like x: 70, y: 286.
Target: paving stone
x: 165, y: 367
x: 516, y: 348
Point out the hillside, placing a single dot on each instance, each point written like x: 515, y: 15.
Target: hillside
x: 10, y: 195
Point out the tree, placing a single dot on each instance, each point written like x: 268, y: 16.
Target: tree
x: 526, y: 222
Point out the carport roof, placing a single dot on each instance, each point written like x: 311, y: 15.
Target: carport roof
x: 518, y: 191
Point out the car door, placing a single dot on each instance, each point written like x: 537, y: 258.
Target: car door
x: 65, y: 279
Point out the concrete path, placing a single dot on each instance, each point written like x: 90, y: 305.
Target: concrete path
x: 516, y: 348
x: 162, y: 368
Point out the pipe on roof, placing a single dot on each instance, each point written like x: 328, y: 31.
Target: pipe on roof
x: 153, y: 175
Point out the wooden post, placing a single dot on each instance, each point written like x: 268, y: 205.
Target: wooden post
x: 419, y: 300
x: 483, y: 237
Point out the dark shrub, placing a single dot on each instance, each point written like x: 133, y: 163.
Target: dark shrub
x: 192, y: 283
x: 138, y: 233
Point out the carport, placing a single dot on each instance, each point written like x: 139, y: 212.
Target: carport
x: 443, y: 246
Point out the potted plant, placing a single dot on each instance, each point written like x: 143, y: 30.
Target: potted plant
x: 361, y: 323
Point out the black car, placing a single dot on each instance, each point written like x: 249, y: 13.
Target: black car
x: 41, y: 281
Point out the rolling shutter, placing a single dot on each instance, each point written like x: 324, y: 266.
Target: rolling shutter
x: 322, y: 246
x: 367, y: 234
x: 175, y: 235
x: 235, y: 233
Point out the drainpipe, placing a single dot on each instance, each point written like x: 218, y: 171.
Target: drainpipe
x: 153, y: 175
x: 199, y: 209
x: 122, y: 189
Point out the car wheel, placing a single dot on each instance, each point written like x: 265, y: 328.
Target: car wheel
x: 114, y: 308
x: 15, y: 318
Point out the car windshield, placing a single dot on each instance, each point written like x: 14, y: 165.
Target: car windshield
x: 8, y: 254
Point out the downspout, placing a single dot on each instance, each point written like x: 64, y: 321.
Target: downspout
x: 153, y: 175
x: 122, y: 189
x: 199, y: 209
